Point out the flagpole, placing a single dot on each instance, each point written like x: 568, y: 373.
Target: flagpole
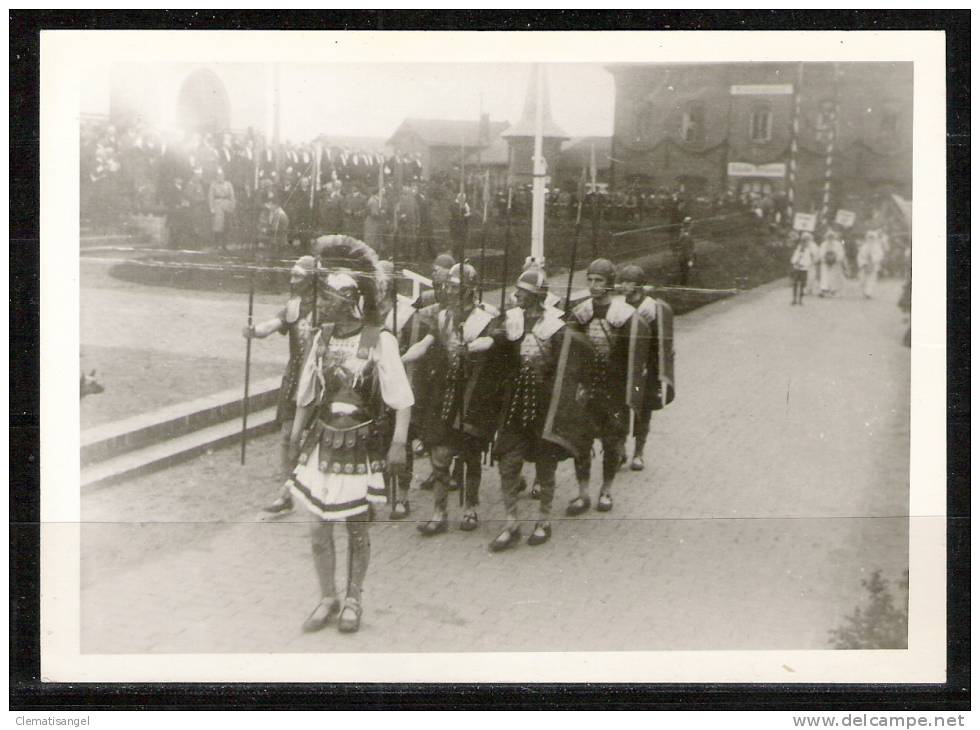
x: 537, y: 200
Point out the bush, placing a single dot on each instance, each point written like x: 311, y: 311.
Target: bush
x: 880, y: 624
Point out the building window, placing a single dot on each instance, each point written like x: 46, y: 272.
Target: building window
x: 761, y: 123
x: 692, y: 123
x: 642, y: 119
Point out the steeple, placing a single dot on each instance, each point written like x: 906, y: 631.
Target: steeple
x: 525, y: 127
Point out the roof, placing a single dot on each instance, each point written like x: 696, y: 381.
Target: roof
x: 577, y: 152
x: 449, y: 132
x: 498, y: 153
x: 526, y: 126
x: 905, y: 207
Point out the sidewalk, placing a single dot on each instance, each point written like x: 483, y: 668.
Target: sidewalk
x: 775, y: 482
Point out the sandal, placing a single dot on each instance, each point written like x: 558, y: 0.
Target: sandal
x: 401, y: 510
x: 325, y: 612
x: 470, y: 522
x: 541, y: 534
x: 605, y: 503
x: 536, y: 491
x: 578, y: 506
x: 506, y: 539
x: 434, y: 527
x: 350, y: 617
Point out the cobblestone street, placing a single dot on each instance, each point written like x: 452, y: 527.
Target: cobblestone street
x: 776, y: 481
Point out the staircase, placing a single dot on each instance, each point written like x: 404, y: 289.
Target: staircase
x: 162, y: 438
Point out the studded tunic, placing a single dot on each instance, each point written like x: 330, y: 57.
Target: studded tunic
x: 346, y: 380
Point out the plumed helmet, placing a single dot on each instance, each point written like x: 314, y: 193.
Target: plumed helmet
x: 463, y: 274
x: 345, y: 254
x: 602, y: 267
x: 534, y: 281
x: 632, y: 273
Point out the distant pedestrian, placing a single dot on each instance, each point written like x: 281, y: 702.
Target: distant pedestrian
x: 801, y: 262
x: 869, y: 257
x: 813, y: 273
x: 831, y: 264
x: 684, y: 250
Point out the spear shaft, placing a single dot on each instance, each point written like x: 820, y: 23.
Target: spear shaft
x: 248, y: 363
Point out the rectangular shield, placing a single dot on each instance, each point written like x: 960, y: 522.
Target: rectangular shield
x: 637, y: 367
x: 568, y: 421
x: 661, y: 376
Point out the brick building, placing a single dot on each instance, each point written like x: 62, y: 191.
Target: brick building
x: 729, y: 127
x: 443, y: 143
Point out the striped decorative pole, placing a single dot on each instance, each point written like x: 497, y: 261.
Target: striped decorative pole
x: 829, y: 161
x: 794, y: 146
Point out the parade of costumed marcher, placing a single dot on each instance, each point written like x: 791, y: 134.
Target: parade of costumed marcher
x: 813, y: 272
x: 462, y: 418
x: 870, y: 255
x: 295, y: 320
x: 831, y: 264
x: 801, y: 262
x: 404, y: 321
x: 429, y: 370
x: 532, y: 334
x: 658, y: 389
x: 620, y: 341
x: 351, y: 380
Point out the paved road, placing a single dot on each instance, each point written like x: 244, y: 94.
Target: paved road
x: 778, y: 480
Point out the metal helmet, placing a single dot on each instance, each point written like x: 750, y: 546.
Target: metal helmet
x: 533, y: 281
x: 444, y: 261
x: 602, y: 267
x: 633, y: 273
x: 463, y: 275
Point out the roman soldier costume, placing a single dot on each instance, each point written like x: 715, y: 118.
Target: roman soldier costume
x: 404, y: 322
x: 532, y: 335
x: 464, y: 403
x: 295, y: 321
x: 351, y: 380
x: 658, y: 388
x: 620, y: 342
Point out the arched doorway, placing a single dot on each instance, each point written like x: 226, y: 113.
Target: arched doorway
x: 202, y: 104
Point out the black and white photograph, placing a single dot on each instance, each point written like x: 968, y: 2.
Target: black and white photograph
x: 456, y: 350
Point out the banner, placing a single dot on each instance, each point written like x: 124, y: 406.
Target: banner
x: 845, y: 218
x: 805, y: 222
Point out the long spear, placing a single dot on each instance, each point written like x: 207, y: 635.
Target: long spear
x: 503, y: 274
x: 578, y: 231
x: 393, y: 474
x: 248, y: 362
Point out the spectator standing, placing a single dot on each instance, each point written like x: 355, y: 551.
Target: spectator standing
x: 200, y: 216
x: 221, y: 202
